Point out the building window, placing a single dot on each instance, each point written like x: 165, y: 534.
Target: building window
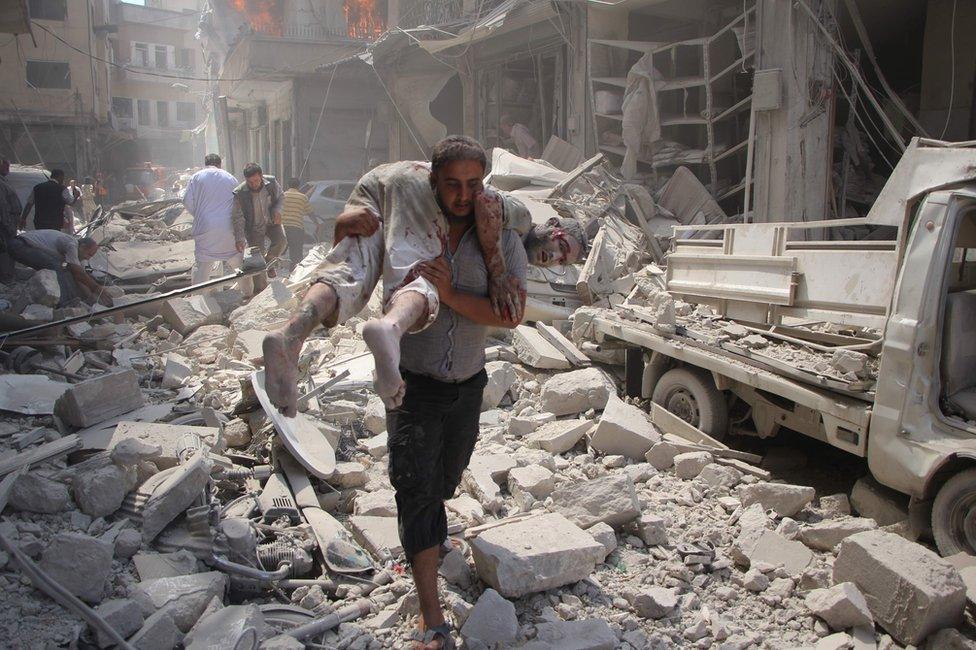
x: 140, y: 55
x: 186, y: 112
x: 48, y: 9
x: 122, y: 106
x: 162, y: 113
x: 161, y: 62
x: 48, y: 74
x: 143, y: 107
x: 186, y: 58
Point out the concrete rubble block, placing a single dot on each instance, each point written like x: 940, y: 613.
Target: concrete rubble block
x: 32, y: 492
x: 774, y: 549
x: 378, y: 446
x: 156, y: 434
x: 568, y: 393
x: 266, y: 310
x: 492, y: 621
x: 285, y: 642
x: 176, y: 370
x: 36, y: 312
x: 826, y: 535
x: 237, y: 433
x: 587, y: 634
x: 348, y: 474
x: 871, y: 499
x: 690, y: 464
x: 720, y: 476
x: 101, y: 492
x: 185, y: 315
x: 381, y: 503
x: 786, y: 500
x: 376, y: 534
x: 127, y: 543
x: 236, y: 626
x: 611, y: 499
x: 624, y: 429
x: 836, y: 641
x: 152, y: 566
x: 835, y: 505
x: 604, y: 534
x: 174, y: 495
x: 454, y: 568
x: 132, y: 451
x: 533, y: 350
x: 123, y: 615
x: 948, y: 639
x: 534, y: 555
x: 558, y: 437
x: 185, y: 598
x: 484, y: 476
x: 652, y: 530
x: 661, y: 455
x: 159, y: 631
x: 656, y: 602
x: 80, y: 563
x: 910, y: 590
x: 533, y: 480
x: 466, y: 507
x: 501, y: 378
x: 845, y: 361
x: 522, y: 425
x: 43, y: 288
x: 374, y: 419
x: 841, y: 607
x: 101, y: 398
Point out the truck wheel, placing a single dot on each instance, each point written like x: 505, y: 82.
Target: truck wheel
x: 954, y: 515
x: 693, y: 397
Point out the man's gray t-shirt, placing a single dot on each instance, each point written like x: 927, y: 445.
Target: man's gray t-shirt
x: 55, y: 242
x: 452, y: 348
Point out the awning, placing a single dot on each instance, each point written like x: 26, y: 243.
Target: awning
x: 507, y: 17
x: 15, y: 18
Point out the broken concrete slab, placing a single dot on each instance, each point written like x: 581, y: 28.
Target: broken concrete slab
x: 871, y: 499
x: 101, y: 492
x: 381, y: 503
x: 235, y: 626
x: 377, y: 446
x: 127, y: 543
x: 185, y: 598
x: 690, y: 464
x: 43, y: 288
x: 492, y: 621
x: 574, y: 392
x: 656, y: 602
x: 826, y: 535
x: 911, y: 591
x: 123, y: 615
x: 484, y: 475
x: 611, y: 499
x: 95, y: 400
x: 454, y: 568
x: 786, y: 500
x: 159, y: 631
x: 166, y: 436
x: 177, y: 369
x: 566, y: 347
x: 378, y: 535
x: 80, y: 563
x: 501, y: 377
x: 534, y: 350
x: 374, y: 418
x: 522, y: 424
x: 347, y: 475
x: 841, y: 607
x: 604, y: 534
x: 624, y: 429
x: 652, y: 530
x: 587, y: 634
x: 661, y: 455
x: 164, y: 565
x: 719, y: 476
x: 174, y: 495
x: 34, y: 493
x: 265, y: 311
x: 186, y: 314
x: 535, y: 554
x: 530, y: 483
x: 774, y: 549
x: 560, y: 436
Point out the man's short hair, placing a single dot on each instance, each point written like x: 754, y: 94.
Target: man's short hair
x: 454, y: 148
x: 87, y: 242
x: 293, y: 183
x: 250, y: 169
x: 57, y: 173
x: 212, y: 160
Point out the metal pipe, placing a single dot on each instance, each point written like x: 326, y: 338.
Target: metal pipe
x: 227, y: 566
x: 348, y: 613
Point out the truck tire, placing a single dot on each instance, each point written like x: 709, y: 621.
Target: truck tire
x: 692, y: 396
x: 954, y: 514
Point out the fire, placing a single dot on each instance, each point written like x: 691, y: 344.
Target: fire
x: 264, y: 16
x: 364, y: 19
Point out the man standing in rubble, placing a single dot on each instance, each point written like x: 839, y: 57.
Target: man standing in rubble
x: 257, y: 216
x: 49, y: 200
x: 209, y: 197
x: 441, y: 354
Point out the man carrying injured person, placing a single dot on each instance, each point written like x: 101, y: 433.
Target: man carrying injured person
x: 436, y: 286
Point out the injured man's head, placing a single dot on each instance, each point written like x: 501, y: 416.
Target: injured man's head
x: 556, y: 242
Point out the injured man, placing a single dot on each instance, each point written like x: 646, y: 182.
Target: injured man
x: 395, y: 225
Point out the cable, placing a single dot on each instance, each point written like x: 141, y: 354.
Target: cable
x: 952, y: 76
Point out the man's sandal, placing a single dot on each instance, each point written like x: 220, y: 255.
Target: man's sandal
x: 444, y: 631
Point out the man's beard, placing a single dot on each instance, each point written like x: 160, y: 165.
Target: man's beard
x: 449, y: 215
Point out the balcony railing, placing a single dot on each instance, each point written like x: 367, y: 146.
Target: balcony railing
x: 314, y: 32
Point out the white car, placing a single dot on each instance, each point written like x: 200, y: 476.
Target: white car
x: 328, y: 199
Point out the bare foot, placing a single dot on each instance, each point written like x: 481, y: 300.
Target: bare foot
x: 383, y: 339
x: 281, y: 370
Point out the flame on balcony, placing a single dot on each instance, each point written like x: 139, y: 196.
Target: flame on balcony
x: 264, y: 16
x: 364, y: 19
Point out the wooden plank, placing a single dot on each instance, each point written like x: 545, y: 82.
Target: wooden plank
x: 673, y: 424
x: 40, y: 454
x: 563, y: 344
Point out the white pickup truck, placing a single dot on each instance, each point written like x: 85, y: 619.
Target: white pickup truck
x: 906, y: 297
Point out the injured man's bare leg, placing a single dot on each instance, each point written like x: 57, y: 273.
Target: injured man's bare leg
x: 407, y: 311
x: 282, y: 346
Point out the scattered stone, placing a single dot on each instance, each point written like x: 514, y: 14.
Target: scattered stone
x: 381, y: 503
x: 588, y: 634
x: 165, y: 437
x: 177, y: 369
x: 236, y: 626
x: 656, y: 602
x: 720, y: 476
x: 378, y: 535
x: 838, y: 641
x: 690, y: 464
x: 123, y: 615
x: 841, y: 607
x: 754, y: 341
x: 534, y: 555
x: 129, y: 452
x: 533, y: 481
x: 492, y: 621
x: 522, y: 425
x: 827, y: 534
x: 174, y: 496
x: 100, y: 492
x: 624, y: 429
x: 835, y: 505
x: 374, y: 419
x: 378, y: 445
x: 652, y: 530
x: 501, y: 377
x: 101, y: 398
x: 80, y: 563
x: 164, y: 565
x: 949, y: 639
x: 32, y: 492
x: 735, y: 330
x: 43, y: 288
x: 611, y: 499
x: 187, y: 314
x: 910, y: 590
x: 159, y: 631
x: 127, y: 543
x: 786, y: 500
x: 573, y: 392
x: 285, y: 642
x: 237, y: 433
x: 845, y: 361
x: 560, y: 436
x: 533, y: 350
x: 454, y: 568
x: 754, y: 580
x: 484, y: 476
x: 661, y: 455
x: 348, y: 475
x: 871, y: 499
x: 774, y: 549
x: 185, y: 598
x: 604, y: 534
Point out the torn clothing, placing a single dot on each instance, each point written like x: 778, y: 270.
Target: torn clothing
x: 413, y: 230
x: 431, y: 438
x: 209, y: 197
x: 252, y: 211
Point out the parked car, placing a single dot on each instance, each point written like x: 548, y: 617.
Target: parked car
x: 328, y: 198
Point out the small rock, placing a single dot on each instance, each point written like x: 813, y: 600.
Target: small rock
x: 690, y: 464
x: 127, y: 543
x: 492, y: 621
x: 842, y: 606
x: 656, y: 602
x: 34, y: 493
